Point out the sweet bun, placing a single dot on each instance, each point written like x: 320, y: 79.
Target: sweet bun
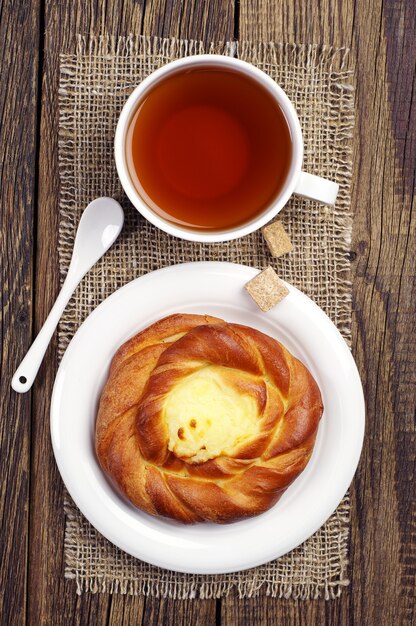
x: 201, y: 420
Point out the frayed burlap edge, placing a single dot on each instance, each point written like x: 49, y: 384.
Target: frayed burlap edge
x: 335, y: 58
x: 154, y: 581
x: 159, y: 583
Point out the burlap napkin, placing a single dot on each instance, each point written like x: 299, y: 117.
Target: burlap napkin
x: 94, y: 84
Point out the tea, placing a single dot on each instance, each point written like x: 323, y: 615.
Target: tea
x: 208, y: 148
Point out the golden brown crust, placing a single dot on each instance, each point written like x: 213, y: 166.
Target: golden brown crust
x: 132, y: 437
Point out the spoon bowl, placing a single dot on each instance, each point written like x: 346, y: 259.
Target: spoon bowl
x: 99, y: 227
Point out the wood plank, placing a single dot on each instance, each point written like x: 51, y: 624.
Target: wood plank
x: 382, y: 557
x: 18, y: 110
x: 126, y: 610
x: 287, y: 21
x: 51, y: 598
x: 62, y: 22
x: 159, y: 612
x: 382, y: 564
x: 212, y: 20
x: 297, y: 21
x: 281, y: 611
x: 206, y: 21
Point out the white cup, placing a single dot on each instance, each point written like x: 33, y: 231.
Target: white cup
x: 297, y: 181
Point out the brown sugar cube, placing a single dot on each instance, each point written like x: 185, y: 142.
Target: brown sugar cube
x: 277, y: 238
x: 267, y: 289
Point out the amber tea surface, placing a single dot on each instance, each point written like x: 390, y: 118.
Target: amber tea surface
x: 208, y: 148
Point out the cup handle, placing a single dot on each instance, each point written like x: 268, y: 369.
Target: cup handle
x: 316, y: 188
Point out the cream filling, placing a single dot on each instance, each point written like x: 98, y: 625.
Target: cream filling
x: 206, y: 418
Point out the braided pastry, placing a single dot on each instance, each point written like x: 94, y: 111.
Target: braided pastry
x: 201, y: 420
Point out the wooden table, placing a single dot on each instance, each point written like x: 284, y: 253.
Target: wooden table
x: 382, y: 35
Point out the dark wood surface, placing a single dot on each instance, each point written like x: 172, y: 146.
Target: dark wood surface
x: 382, y: 36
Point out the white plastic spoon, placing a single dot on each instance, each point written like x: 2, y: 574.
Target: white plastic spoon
x: 99, y: 227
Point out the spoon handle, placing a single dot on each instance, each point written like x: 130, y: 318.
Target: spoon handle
x: 28, y: 368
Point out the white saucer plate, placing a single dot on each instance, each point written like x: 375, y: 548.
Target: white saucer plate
x: 216, y: 289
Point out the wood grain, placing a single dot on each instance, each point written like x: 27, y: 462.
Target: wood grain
x: 382, y: 35
x: 207, y: 21
x: 383, y: 195
x: 281, y: 611
x: 18, y: 115
x: 62, y: 21
x: 329, y: 22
